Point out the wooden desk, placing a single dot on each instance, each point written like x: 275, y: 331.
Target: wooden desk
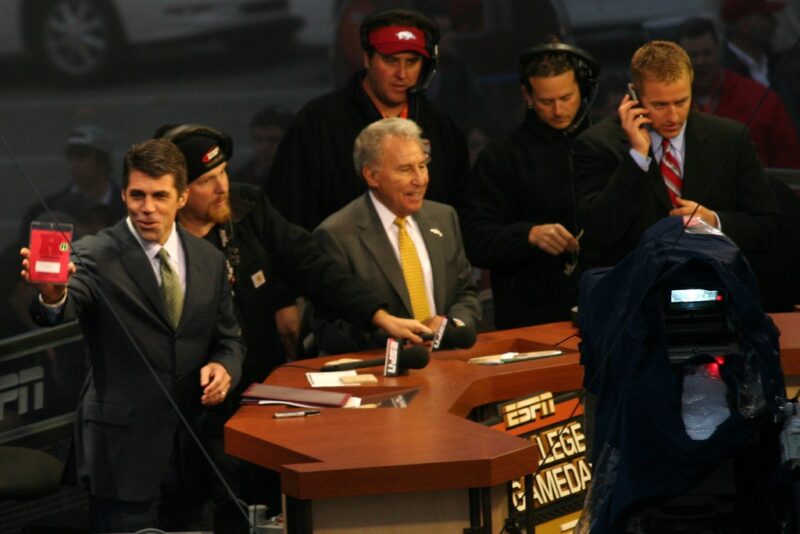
x: 349, y: 462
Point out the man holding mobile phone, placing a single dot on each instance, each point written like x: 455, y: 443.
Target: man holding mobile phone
x: 659, y: 158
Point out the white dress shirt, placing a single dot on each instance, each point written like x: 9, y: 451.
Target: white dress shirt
x: 392, y: 231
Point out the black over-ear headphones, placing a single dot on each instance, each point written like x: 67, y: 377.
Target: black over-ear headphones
x: 587, y: 69
x: 418, y: 20
x: 176, y: 133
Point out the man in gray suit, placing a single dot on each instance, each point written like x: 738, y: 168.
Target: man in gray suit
x: 155, y: 308
x: 406, y: 249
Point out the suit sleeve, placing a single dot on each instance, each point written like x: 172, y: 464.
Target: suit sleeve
x: 466, y: 304
x: 610, y: 188
x: 333, y: 333
x: 302, y: 264
x: 227, y: 348
x: 756, y: 220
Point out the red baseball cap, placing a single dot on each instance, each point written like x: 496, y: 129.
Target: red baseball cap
x: 395, y: 39
x: 733, y: 10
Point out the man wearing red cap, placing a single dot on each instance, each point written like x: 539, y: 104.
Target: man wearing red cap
x: 313, y: 174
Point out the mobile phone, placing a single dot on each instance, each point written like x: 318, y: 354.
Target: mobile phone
x: 632, y: 93
x: 50, y: 248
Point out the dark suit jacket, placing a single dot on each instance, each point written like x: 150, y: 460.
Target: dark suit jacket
x: 354, y: 237
x: 618, y: 201
x: 125, y: 427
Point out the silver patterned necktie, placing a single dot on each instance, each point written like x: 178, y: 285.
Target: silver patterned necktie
x: 171, y: 289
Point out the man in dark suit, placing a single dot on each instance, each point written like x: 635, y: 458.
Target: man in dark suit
x: 155, y: 308
x: 658, y: 159
x: 408, y: 250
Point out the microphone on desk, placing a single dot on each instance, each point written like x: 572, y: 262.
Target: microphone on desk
x: 454, y: 333
x: 400, y: 358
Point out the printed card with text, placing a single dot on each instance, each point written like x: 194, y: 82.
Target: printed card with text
x: 50, y: 247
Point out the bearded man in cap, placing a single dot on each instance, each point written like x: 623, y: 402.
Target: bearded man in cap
x: 261, y: 248
x: 270, y: 262
x: 313, y: 174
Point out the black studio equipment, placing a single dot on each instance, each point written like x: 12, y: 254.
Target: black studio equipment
x: 429, y: 29
x: 454, y: 334
x: 587, y: 72
x: 683, y: 370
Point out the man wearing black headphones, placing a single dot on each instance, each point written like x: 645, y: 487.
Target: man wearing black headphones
x: 518, y: 215
x: 313, y: 174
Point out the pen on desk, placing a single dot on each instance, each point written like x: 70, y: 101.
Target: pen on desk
x: 300, y: 413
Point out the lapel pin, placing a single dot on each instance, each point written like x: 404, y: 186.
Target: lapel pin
x: 258, y: 279
x: 436, y: 231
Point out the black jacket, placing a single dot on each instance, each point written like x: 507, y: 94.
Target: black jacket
x: 313, y: 174
x: 519, y: 182
x: 276, y: 261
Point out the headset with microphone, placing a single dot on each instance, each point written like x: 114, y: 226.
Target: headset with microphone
x: 586, y: 68
x: 404, y: 17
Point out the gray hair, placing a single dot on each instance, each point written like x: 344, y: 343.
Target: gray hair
x: 367, y: 150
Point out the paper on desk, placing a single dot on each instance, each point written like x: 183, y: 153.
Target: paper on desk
x: 510, y: 357
x: 328, y: 380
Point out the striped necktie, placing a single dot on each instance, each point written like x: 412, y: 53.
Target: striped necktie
x: 671, y: 172
x: 171, y: 289
x: 412, y: 272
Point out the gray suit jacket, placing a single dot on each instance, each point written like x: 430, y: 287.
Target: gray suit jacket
x: 125, y: 427
x: 354, y: 237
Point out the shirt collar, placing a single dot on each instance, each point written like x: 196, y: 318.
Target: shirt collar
x: 677, y: 142
x: 386, y: 215
x: 151, y: 248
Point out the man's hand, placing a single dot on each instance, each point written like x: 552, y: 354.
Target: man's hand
x: 51, y: 293
x: 215, y: 381
x: 287, y: 320
x: 399, y: 328
x: 632, y: 117
x: 687, y: 207
x: 434, y: 322
x: 553, y: 239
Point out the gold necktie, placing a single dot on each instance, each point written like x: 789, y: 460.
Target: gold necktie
x: 412, y: 272
x: 171, y: 289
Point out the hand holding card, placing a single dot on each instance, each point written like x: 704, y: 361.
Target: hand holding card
x: 46, y: 263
